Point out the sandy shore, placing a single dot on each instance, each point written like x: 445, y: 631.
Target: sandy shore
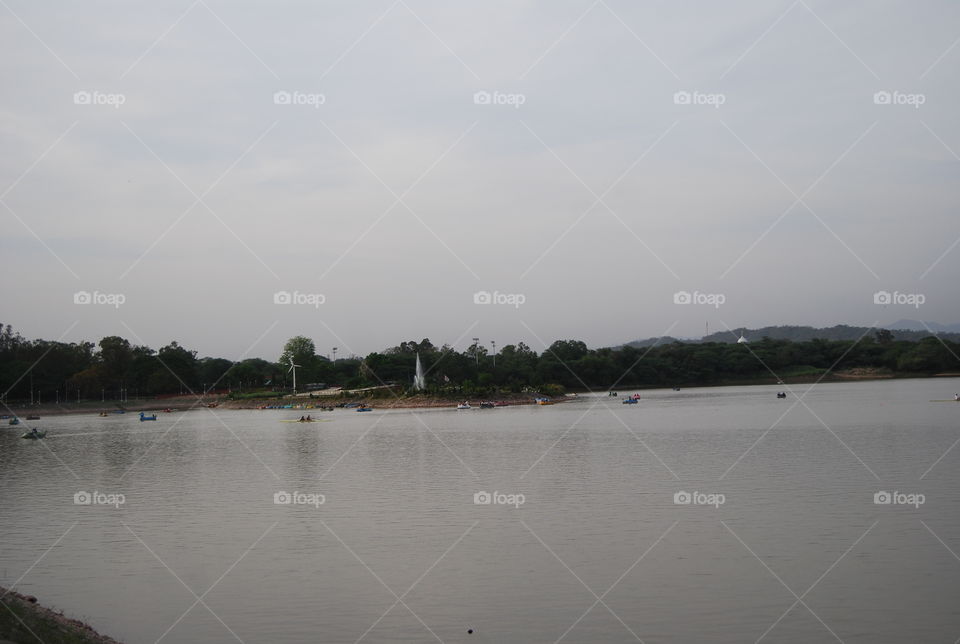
x: 23, y: 620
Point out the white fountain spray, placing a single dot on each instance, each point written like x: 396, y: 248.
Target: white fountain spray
x: 419, y: 379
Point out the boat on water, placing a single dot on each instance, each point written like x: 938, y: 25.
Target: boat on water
x: 501, y: 403
x: 630, y: 401
x: 14, y: 421
x: 33, y: 435
x: 781, y: 394
x: 486, y: 404
x: 464, y: 405
x: 364, y: 408
x: 33, y: 417
x: 544, y: 401
x: 144, y: 417
x: 103, y: 414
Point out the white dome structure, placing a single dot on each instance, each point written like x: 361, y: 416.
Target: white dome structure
x: 742, y: 339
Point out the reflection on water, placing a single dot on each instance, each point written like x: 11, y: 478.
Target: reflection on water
x: 597, y: 552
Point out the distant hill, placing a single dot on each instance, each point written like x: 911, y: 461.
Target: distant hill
x: 807, y: 333
x: 916, y: 325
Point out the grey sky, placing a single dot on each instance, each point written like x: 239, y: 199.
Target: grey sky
x: 597, y: 199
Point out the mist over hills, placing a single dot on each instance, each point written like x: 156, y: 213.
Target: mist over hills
x: 909, y: 330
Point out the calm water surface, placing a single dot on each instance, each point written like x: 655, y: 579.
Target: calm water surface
x: 798, y: 551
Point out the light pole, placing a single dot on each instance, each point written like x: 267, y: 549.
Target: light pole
x: 476, y: 350
x: 493, y: 343
x: 334, y: 354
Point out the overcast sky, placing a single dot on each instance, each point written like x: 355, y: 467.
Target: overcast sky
x: 629, y: 151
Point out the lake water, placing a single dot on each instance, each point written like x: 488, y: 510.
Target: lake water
x: 783, y: 540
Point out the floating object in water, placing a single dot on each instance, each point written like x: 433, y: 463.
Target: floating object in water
x: 364, y: 408
x: 34, y: 435
x: 630, y: 401
x: 464, y: 405
x: 33, y: 417
x: 781, y: 394
x: 144, y: 417
x: 14, y: 421
x: 486, y: 404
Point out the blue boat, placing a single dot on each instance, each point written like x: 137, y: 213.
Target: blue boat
x: 144, y: 417
x: 630, y: 401
x: 364, y: 408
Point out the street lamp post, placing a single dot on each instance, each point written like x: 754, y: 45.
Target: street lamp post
x: 493, y: 343
x: 476, y: 350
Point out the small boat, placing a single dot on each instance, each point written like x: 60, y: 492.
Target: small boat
x: 14, y: 421
x: 144, y: 417
x: 612, y: 394
x: 486, y: 404
x: 781, y: 394
x: 630, y: 401
x: 364, y: 408
x: 103, y: 414
x: 501, y: 403
x: 544, y: 401
x: 33, y: 417
x: 167, y: 411
x: 34, y: 435
x: 464, y: 405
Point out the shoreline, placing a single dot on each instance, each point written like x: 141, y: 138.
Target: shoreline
x: 24, y: 620
x: 188, y: 402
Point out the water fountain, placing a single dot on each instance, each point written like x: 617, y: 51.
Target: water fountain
x: 419, y: 379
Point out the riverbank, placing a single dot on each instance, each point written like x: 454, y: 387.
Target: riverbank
x: 379, y: 398
x: 23, y: 621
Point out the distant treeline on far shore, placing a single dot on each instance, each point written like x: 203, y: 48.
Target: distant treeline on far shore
x: 114, y: 369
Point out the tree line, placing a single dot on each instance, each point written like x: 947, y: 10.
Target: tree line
x: 114, y: 369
